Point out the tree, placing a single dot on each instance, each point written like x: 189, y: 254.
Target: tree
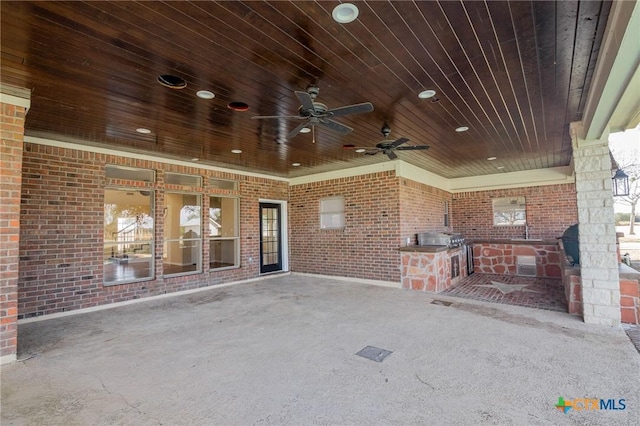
x: 630, y: 164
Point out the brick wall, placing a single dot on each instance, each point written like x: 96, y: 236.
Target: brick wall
x: 368, y: 245
x: 12, y: 125
x: 421, y: 209
x: 551, y: 209
x: 61, y: 241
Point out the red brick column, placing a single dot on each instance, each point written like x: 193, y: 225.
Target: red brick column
x: 12, y: 116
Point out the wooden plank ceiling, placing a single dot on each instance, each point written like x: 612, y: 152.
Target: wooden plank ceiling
x: 516, y: 73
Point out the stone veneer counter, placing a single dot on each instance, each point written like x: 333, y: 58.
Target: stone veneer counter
x: 432, y: 268
x: 500, y: 256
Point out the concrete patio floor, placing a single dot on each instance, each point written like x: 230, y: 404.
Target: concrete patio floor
x: 282, y: 351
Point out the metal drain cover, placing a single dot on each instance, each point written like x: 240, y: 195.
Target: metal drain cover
x: 374, y: 354
x: 440, y: 302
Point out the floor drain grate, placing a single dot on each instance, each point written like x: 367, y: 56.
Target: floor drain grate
x: 374, y: 354
x: 440, y: 302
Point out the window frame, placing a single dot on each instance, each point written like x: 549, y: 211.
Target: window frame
x: 519, y: 212
x: 235, y: 238
x: 181, y: 240
x: 124, y: 260
x: 326, y: 213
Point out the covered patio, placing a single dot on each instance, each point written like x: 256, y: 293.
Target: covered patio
x: 283, y: 350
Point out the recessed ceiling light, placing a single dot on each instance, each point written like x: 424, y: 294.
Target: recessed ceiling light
x: 492, y: 158
x: 345, y: 13
x: 172, y: 81
x: 426, y: 94
x: 462, y: 129
x: 195, y: 159
x: 305, y: 130
x: 236, y: 151
x: 295, y: 164
x: 238, y: 106
x: 205, y: 94
x: 143, y: 130
x: 359, y: 150
x: 500, y: 167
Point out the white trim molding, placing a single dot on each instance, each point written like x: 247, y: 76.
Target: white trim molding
x: 20, y: 99
x: 109, y: 151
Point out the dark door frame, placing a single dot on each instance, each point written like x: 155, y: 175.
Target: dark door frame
x: 283, y: 263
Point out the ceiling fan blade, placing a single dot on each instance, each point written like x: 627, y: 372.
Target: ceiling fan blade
x: 295, y: 131
x: 399, y: 142
x: 258, y: 117
x: 413, y: 148
x: 334, y: 125
x: 371, y: 152
x: 350, y: 109
x: 305, y: 100
x: 392, y: 155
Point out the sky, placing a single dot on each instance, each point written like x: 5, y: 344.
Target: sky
x: 625, y: 147
x: 625, y: 143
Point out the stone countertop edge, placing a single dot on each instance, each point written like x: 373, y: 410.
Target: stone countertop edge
x: 627, y: 272
x: 427, y: 249
x: 531, y: 242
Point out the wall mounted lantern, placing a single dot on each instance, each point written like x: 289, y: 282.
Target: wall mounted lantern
x: 620, y: 183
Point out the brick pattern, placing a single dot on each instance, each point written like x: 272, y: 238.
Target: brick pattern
x: 572, y: 289
x: 432, y: 271
x: 551, y: 209
x: 61, y: 241
x: 538, y: 293
x: 598, y: 258
x: 421, y: 209
x: 630, y: 301
x: 12, y: 125
x: 502, y: 258
x: 368, y: 245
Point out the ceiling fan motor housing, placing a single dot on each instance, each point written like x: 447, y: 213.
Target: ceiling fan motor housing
x: 319, y: 109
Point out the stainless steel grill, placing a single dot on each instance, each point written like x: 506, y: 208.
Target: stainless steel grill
x: 440, y: 239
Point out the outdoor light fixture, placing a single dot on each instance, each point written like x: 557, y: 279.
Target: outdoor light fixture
x: 620, y: 183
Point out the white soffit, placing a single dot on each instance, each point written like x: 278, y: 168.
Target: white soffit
x: 616, y: 72
x: 527, y: 178
x: 17, y: 96
x: 344, y: 173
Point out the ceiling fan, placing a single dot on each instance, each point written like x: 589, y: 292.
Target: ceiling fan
x: 317, y: 114
x: 388, y: 146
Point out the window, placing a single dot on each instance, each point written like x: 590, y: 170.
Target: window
x: 229, y: 185
x: 128, y: 173
x: 509, y: 211
x: 128, y: 235
x: 332, y: 213
x: 180, y: 179
x: 182, y: 233
x: 446, y: 213
x: 224, y: 241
